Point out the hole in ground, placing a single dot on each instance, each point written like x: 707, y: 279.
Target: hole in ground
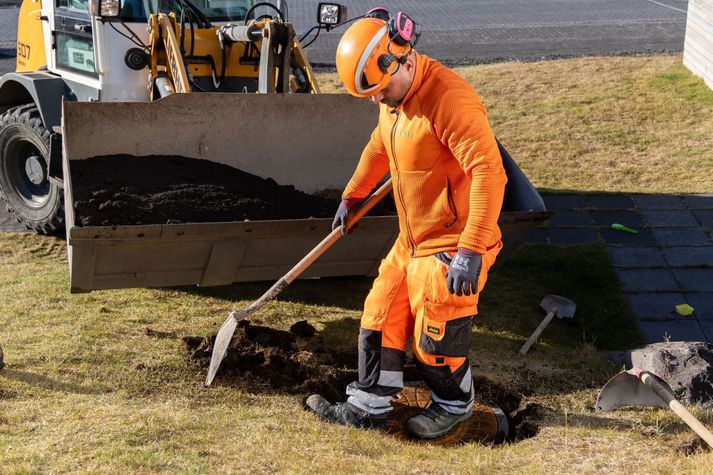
x: 267, y: 358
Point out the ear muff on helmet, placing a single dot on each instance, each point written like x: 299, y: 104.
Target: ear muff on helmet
x: 367, y: 52
x: 402, y: 30
x: 386, y: 60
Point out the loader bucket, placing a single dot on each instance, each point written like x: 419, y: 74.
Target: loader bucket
x: 312, y: 142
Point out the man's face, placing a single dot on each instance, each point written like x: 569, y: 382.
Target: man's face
x: 398, y: 86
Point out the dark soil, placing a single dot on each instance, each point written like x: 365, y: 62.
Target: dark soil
x: 269, y: 358
x: 693, y: 445
x: 275, y: 359
x: 128, y: 190
x: 302, y: 329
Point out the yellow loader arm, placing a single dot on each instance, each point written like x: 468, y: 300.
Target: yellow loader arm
x: 167, y: 66
x: 265, y: 56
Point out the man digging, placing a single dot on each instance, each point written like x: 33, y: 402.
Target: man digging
x: 434, y: 138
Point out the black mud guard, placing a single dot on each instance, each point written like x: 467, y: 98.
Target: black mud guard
x: 46, y: 91
x: 520, y: 194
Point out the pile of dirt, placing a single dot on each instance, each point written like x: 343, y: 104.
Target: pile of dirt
x: 127, y: 190
x: 269, y: 358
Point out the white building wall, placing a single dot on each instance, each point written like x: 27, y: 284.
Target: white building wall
x: 698, y: 46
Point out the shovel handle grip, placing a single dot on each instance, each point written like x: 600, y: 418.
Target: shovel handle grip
x: 677, y: 407
x: 538, y: 331
x: 369, y: 203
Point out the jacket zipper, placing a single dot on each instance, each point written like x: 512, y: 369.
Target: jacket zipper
x: 401, y: 199
x: 451, y: 203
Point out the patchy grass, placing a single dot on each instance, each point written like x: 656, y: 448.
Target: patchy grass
x: 612, y: 124
x: 86, y: 390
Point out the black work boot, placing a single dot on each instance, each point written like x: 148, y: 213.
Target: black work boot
x: 343, y: 413
x: 434, y: 422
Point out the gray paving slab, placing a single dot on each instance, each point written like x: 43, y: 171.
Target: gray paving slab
x: 689, y: 256
x: 625, y: 217
x: 663, y: 217
x: 621, y: 238
x: 654, y: 331
x: 637, y: 257
x: 702, y: 302
x: 682, y: 236
x: 647, y: 280
x: 707, y: 326
x: 694, y: 280
x: 538, y: 236
x: 571, y: 218
x: 705, y: 217
x: 572, y: 236
x: 655, y: 305
x: 659, y: 202
x: 610, y: 202
x: 702, y: 201
x: 558, y: 202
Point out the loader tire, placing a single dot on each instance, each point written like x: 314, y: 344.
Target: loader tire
x: 24, y: 185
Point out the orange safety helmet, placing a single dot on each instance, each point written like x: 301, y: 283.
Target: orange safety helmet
x: 367, y: 57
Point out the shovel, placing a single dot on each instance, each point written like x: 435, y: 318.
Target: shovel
x: 553, y: 305
x: 225, y: 334
x: 637, y: 387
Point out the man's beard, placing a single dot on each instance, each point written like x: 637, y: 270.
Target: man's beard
x: 392, y: 102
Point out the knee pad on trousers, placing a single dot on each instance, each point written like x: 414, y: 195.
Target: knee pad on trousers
x: 446, y: 385
x: 380, y: 369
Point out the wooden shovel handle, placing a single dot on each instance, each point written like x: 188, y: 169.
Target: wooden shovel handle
x: 677, y: 407
x: 537, y: 332
x: 334, y: 236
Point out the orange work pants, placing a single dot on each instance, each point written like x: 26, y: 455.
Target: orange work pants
x: 410, y: 300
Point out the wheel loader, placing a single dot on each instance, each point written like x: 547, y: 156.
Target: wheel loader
x: 220, y: 80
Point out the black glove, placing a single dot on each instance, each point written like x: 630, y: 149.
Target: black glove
x: 340, y: 218
x: 463, y: 272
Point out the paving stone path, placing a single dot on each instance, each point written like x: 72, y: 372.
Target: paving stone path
x: 669, y: 262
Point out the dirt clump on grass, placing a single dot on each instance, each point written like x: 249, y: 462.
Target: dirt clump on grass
x: 266, y: 358
x: 128, y: 190
x: 270, y: 358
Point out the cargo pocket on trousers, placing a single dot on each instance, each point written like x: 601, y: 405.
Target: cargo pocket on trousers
x: 381, y: 296
x: 445, y: 331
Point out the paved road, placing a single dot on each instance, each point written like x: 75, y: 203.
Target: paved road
x: 474, y: 31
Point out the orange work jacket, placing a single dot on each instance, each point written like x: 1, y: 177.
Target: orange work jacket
x: 447, y: 171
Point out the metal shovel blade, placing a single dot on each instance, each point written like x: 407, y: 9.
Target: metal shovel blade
x: 626, y: 389
x: 220, y: 346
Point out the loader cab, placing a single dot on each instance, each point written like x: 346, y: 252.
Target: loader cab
x: 137, y: 11
x: 90, y: 52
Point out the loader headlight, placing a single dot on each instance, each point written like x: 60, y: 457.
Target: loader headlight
x: 330, y: 14
x: 104, y: 8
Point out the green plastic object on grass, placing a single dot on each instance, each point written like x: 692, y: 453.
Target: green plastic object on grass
x: 626, y: 229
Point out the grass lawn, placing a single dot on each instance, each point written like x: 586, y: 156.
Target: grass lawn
x: 87, y: 390
x: 616, y: 124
